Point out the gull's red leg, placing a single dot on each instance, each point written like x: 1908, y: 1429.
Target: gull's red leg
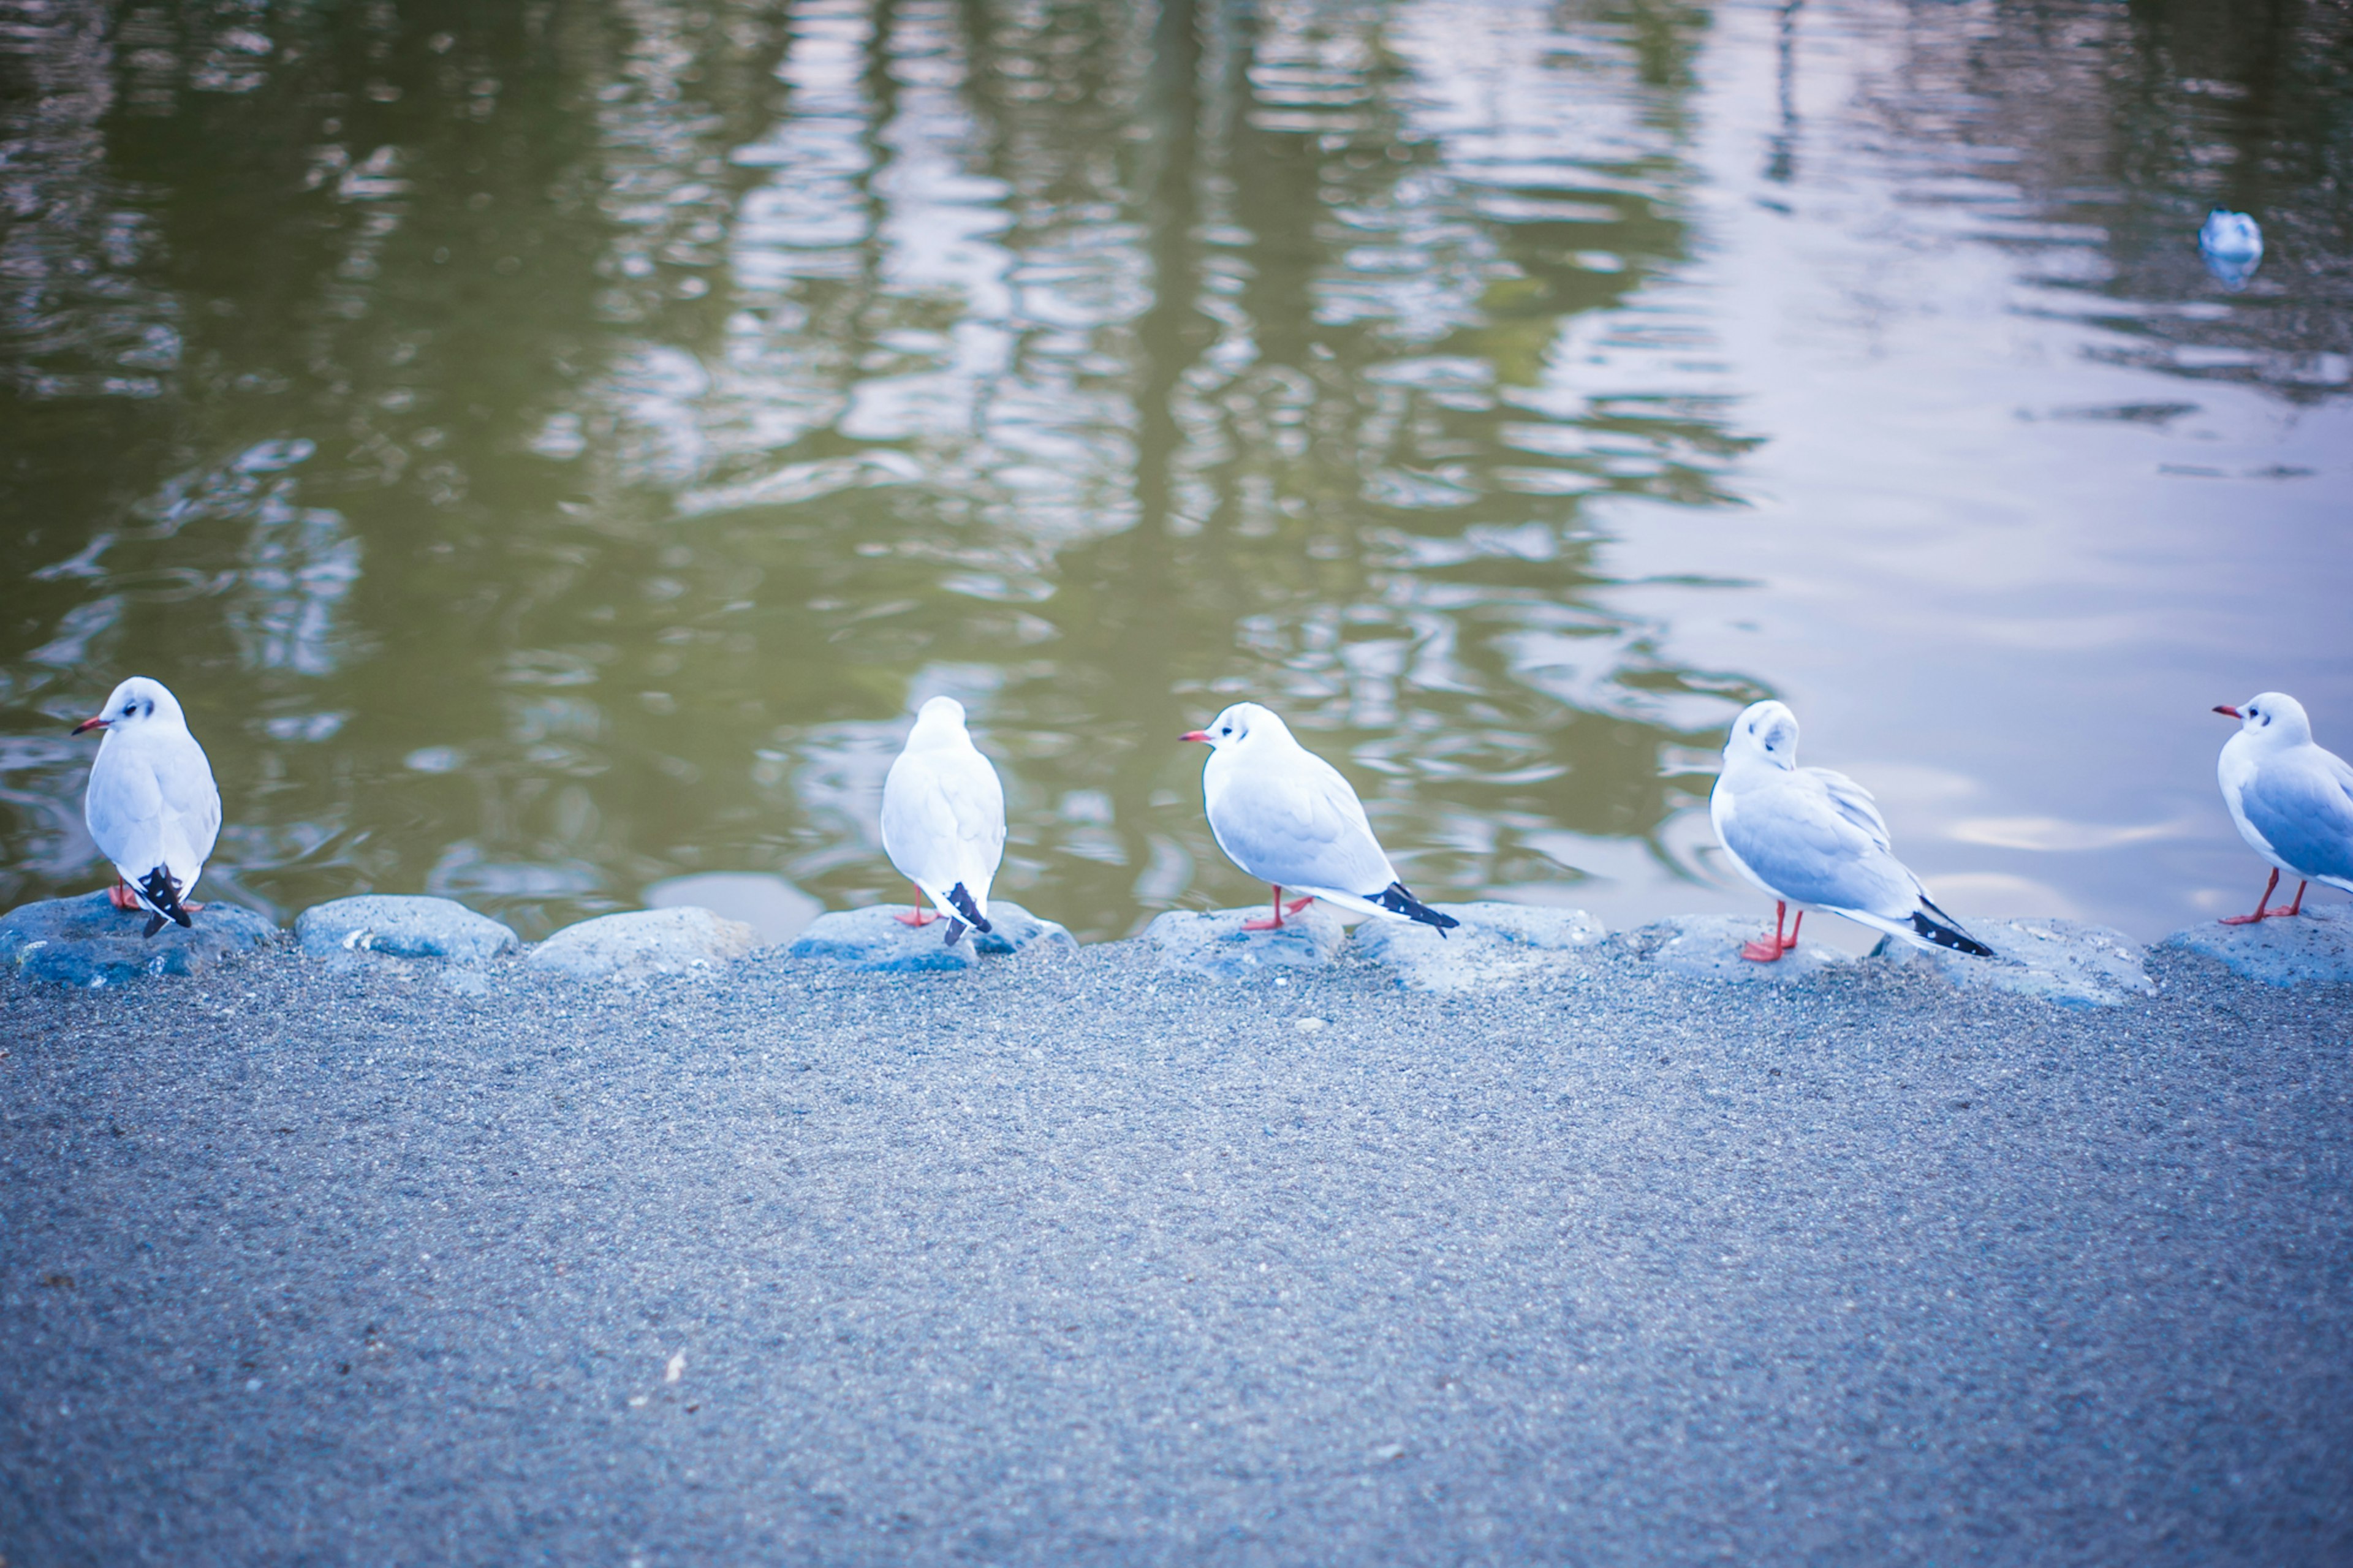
x: 2269, y: 888
x: 2296, y: 907
x: 1793, y: 932
x: 120, y: 896
x: 1296, y: 905
x: 1771, y: 951
x: 921, y: 917
x: 1273, y: 922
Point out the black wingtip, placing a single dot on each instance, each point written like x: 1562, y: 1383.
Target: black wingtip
x: 1939, y: 928
x: 1395, y: 899
x: 163, y: 896
x: 970, y: 911
x: 955, y: 930
x: 154, y: 924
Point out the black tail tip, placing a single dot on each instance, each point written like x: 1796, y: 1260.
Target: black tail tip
x: 1397, y: 900
x: 967, y: 908
x: 955, y: 930
x: 1951, y: 936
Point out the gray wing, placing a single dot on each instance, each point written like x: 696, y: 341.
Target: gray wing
x: 1298, y: 824
x: 1803, y: 839
x: 2303, y: 805
x: 1854, y: 802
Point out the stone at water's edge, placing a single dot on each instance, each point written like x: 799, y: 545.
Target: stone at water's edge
x: 1496, y: 944
x: 873, y: 941
x: 2065, y: 961
x: 1708, y: 947
x: 88, y: 941
x: 402, y: 927
x: 1013, y: 928
x: 1214, y: 945
x: 2313, y: 948
x: 642, y: 943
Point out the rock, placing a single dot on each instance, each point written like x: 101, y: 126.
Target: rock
x: 874, y: 940
x: 88, y: 941
x: 1496, y: 944
x: 775, y: 909
x: 2065, y: 961
x: 401, y: 927
x: 1213, y: 944
x: 2314, y: 948
x: 1708, y: 946
x: 643, y: 943
x: 1014, y: 928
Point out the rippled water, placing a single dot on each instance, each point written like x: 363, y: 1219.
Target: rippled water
x: 551, y: 450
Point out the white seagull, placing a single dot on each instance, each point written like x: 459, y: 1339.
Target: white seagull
x: 1286, y: 817
x: 2292, y: 800
x: 943, y: 819
x: 152, y: 807
x: 1813, y: 838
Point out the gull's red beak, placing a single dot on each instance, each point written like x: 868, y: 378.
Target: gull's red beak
x: 2226, y: 707
x: 1194, y: 735
x: 87, y: 725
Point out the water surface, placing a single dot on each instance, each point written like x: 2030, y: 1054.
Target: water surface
x: 552, y: 449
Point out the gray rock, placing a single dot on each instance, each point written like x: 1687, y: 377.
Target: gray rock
x: 87, y: 942
x: 402, y: 927
x: 2314, y: 948
x: 1014, y: 929
x: 1213, y: 944
x: 874, y: 940
x: 1708, y: 947
x: 643, y: 943
x: 1495, y: 944
x: 2065, y: 961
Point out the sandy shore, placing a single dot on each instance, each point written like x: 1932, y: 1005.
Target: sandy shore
x: 1068, y: 1261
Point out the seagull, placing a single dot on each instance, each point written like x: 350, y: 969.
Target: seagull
x: 2292, y: 800
x: 152, y: 807
x: 1286, y: 817
x: 944, y: 820
x: 1813, y: 838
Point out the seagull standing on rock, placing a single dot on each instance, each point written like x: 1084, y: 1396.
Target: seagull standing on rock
x: 1812, y: 837
x: 1286, y: 817
x: 2291, y: 799
x: 152, y: 806
x: 943, y: 819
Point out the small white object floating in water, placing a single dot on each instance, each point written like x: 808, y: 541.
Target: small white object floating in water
x: 1813, y: 838
x: 2291, y: 799
x: 2232, y: 245
x: 943, y: 819
x: 152, y: 806
x: 1286, y: 817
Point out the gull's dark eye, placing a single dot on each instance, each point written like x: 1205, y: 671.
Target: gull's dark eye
x: 1227, y: 730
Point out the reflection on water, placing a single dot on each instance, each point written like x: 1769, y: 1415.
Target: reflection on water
x: 551, y: 450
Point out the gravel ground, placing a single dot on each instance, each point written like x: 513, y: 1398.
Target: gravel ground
x: 1066, y: 1262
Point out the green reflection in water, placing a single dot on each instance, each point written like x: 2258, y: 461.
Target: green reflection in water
x: 551, y: 448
